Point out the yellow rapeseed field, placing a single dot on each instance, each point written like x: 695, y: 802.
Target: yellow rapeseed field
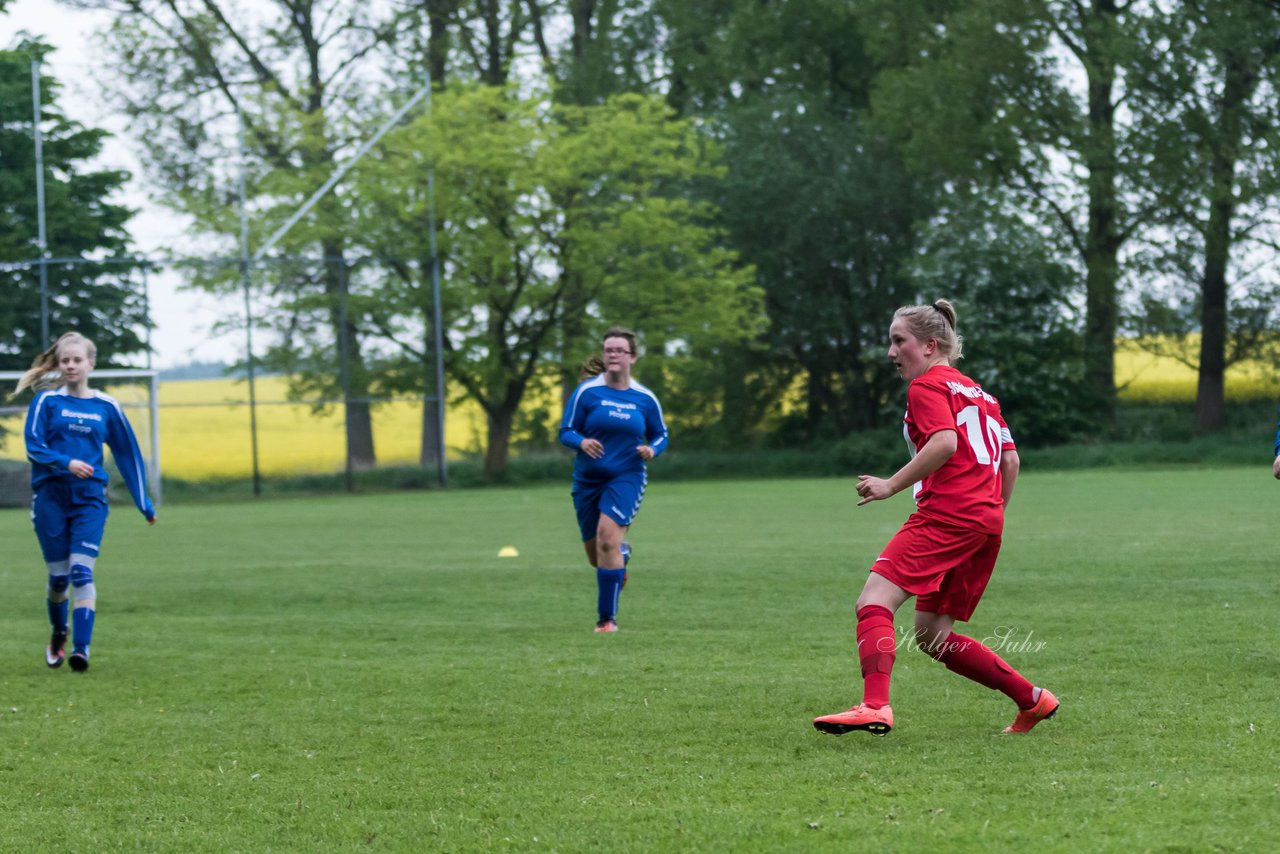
x: 204, y: 430
x: 204, y: 424
x: 1144, y: 378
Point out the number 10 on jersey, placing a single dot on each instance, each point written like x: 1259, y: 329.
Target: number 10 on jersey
x: 971, y: 419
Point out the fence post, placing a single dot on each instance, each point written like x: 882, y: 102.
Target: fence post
x: 43, y: 237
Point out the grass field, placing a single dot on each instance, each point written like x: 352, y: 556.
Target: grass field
x: 364, y: 673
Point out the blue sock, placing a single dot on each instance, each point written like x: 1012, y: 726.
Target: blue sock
x: 81, y: 629
x: 58, y: 614
x: 610, y: 584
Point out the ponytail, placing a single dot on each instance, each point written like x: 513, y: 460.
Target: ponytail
x: 43, y: 372
x: 591, y: 367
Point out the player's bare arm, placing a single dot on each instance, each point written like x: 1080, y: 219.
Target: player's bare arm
x: 1010, y: 464
x: 936, y: 451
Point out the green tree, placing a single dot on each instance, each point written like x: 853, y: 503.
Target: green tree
x: 826, y: 213
x: 299, y: 73
x: 814, y: 198
x: 533, y: 196
x: 718, y: 53
x: 1016, y: 312
x: 1025, y: 97
x: 99, y: 293
x: 611, y: 46
x: 1210, y: 97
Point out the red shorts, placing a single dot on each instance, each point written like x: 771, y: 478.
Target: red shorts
x: 946, y: 568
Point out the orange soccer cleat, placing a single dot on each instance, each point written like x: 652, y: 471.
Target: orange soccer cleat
x: 1046, y: 707
x: 860, y: 717
x: 606, y: 626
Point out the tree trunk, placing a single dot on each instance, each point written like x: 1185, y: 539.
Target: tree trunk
x: 432, y: 405
x: 735, y: 421
x: 439, y: 38
x: 1211, y: 382
x: 1211, y: 401
x: 429, y: 454
x: 816, y: 394
x: 573, y: 332
x: 494, y: 72
x: 1102, y: 243
x: 355, y: 390
x: 499, y: 445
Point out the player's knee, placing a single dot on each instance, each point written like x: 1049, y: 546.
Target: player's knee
x: 81, y: 575
x: 82, y: 587
x: 930, y: 643
x: 59, y: 579
x: 58, y: 585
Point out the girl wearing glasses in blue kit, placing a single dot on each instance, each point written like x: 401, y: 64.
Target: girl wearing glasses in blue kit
x: 615, y: 424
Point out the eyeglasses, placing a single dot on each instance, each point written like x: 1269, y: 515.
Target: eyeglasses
x: 617, y: 351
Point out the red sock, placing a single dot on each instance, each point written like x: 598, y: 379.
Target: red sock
x: 876, y: 651
x: 974, y: 660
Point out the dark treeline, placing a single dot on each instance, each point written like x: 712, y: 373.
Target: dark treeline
x: 753, y: 186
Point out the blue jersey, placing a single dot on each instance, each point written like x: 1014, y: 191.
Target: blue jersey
x: 61, y: 428
x: 1278, y: 442
x: 620, y: 419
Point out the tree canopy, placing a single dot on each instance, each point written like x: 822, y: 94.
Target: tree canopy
x: 94, y: 286
x: 753, y: 186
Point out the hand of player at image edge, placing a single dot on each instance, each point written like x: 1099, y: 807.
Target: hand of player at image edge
x: 873, y: 489
x: 645, y: 452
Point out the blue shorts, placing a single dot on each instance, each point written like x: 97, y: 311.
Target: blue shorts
x: 618, y: 498
x: 68, y: 519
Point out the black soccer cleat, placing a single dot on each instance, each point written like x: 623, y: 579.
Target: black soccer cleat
x: 56, y: 652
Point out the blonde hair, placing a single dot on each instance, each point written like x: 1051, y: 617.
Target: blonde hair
x: 937, y: 321
x: 43, y: 372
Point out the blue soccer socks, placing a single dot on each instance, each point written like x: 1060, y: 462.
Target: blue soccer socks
x: 82, y: 629
x: 610, y: 583
x: 58, y: 614
x: 56, y: 596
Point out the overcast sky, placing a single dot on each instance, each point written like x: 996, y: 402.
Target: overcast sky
x: 182, y: 318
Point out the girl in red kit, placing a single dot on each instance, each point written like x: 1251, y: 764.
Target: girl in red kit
x: 962, y: 470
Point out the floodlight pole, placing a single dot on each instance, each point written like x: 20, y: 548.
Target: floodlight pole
x: 248, y: 309
x: 337, y: 176
x: 43, y: 238
x: 156, y: 485
x: 146, y: 308
x: 344, y: 371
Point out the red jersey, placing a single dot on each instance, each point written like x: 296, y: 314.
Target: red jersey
x: 965, y: 491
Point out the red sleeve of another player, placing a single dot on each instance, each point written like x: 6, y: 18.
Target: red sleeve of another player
x: 930, y: 408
